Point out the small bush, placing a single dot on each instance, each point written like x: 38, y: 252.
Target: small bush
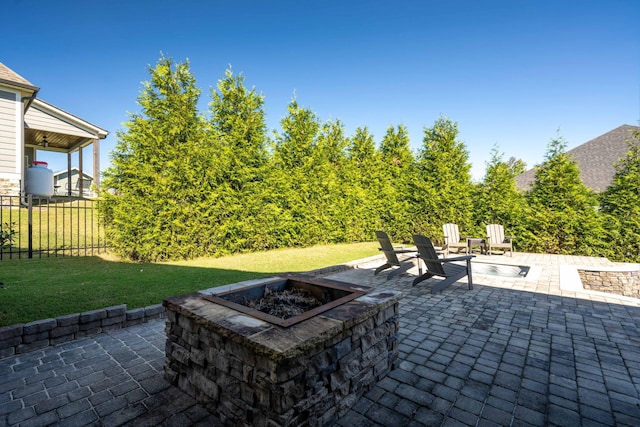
x: 7, y: 233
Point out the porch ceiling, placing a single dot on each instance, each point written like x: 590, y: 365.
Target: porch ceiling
x: 55, y: 141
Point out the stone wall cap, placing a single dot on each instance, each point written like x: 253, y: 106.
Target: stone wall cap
x: 39, y: 326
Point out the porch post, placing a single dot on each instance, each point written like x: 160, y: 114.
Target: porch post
x: 69, y: 174
x: 80, y: 175
x: 96, y: 163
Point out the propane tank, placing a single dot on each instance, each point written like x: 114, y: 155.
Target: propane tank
x: 39, y: 179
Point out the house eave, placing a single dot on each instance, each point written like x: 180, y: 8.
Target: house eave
x: 75, y: 120
x: 20, y: 86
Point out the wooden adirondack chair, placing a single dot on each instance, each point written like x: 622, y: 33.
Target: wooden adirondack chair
x: 452, y: 238
x: 497, y: 240
x: 441, y: 267
x: 391, y: 253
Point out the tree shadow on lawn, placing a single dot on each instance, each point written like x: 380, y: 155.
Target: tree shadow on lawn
x: 50, y: 287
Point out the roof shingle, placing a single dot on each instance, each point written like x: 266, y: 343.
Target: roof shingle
x: 596, y: 159
x: 8, y: 76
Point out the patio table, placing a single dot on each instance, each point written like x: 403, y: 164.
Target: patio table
x: 471, y: 242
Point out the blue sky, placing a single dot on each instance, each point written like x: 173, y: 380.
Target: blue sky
x: 513, y: 74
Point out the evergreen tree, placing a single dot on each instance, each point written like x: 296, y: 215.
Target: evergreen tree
x: 564, y: 217
x: 238, y: 137
x: 443, y: 188
x: 364, y: 188
x: 621, y: 202
x: 154, y: 186
x: 397, y: 173
x: 293, y: 181
x: 395, y: 150
x: 497, y: 199
x: 362, y: 151
x: 330, y: 182
x: 238, y: 129
x: 300, y: 129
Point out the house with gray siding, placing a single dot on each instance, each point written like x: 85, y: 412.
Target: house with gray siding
x: 29, y: 125
x: 80, y: 184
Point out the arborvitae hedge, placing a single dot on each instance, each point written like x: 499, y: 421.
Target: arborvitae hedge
x: 184, y: 184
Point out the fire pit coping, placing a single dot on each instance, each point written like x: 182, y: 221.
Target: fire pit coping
x: 274, y: 341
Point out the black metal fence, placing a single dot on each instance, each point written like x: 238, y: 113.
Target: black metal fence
x: 38, y: 227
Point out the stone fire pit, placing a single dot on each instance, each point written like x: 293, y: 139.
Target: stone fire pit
x: 309, y: 369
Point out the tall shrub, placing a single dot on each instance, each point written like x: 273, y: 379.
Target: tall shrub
x: 621, y: 202
x: 443, y: 189
x: 154, y: 185
x: 237, y: 136
x: 364, y: 185
x: 331, y: 180
x: 397, y: 170
x: 293, y: 158
x: 497, y: 199
x: 564, y: 218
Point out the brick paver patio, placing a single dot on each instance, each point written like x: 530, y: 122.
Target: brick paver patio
x: 512, y: 351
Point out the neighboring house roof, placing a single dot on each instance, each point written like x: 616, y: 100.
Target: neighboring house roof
x: 63, y: 173
x: 596, y: 159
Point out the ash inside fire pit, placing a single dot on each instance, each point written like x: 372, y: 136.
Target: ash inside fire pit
x: 286, y: 303
x: 289, y: 299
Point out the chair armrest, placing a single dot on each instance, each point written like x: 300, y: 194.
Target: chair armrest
x: 458, y: 258
x: 399, y: 251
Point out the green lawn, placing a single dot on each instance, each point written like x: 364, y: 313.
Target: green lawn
x: 50, y: 287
